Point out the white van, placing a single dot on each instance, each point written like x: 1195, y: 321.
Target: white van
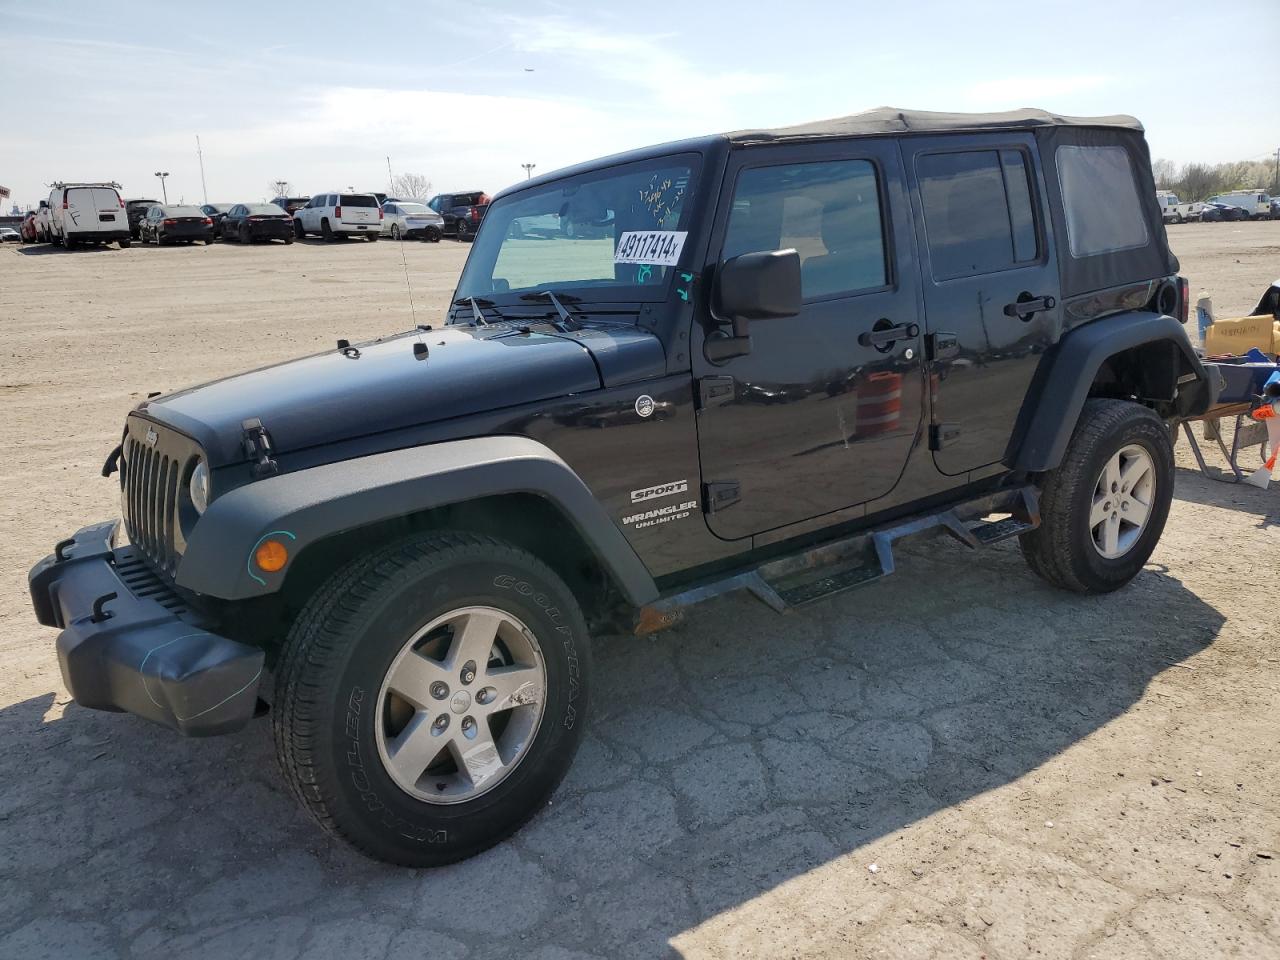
x: 1255, y: 203
x: 87, y: 213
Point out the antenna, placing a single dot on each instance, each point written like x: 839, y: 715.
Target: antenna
x: 413, y: 312
x: 200, y: 155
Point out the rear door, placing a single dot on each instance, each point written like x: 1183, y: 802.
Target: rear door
x: 991, y: 287
x: 108, y: 209
x: 816, y: 417
x: 359, y: 208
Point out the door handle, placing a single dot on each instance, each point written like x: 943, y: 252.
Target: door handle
x: 883, y: 336
x: 1026, y: 304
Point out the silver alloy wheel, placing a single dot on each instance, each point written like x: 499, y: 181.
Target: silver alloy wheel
x: 461, y: 705
x: 1122, y: 500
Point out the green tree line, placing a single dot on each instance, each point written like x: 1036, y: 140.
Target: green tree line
x: 1199, y: 181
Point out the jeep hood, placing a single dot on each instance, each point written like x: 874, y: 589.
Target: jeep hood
x: 383, y: 385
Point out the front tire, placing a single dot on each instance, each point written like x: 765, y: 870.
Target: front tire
x: 1103, y: 509
x: 124, y: 243
x: 431, y: 696
x: 298, y: 232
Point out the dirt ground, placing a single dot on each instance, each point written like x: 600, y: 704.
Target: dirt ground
x: 957, y: 762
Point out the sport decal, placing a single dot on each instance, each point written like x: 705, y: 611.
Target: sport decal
x: 661, y: 490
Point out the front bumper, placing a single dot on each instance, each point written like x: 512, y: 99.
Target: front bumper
x: 129, y: 644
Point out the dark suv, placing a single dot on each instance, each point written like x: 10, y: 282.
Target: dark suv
x: 462, y: 212
x: 135, y: 210
x: 776, y: 353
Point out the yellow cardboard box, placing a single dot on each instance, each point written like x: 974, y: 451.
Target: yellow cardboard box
x: 1237, y: 336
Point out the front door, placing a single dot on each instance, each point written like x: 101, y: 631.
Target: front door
x: 824, y: 410
x: 991, y: 287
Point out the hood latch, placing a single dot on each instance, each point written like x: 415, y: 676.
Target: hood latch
x: 257, y: 447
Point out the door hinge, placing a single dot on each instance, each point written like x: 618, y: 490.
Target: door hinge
x: 714, y: 391
x: 941, y: 434
x: 942, y: 346
x: 718, y: 495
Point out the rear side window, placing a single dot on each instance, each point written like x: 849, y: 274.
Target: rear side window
x: 1100, y: 200
x: 358, y: 200
x: 829, y: 212
x: 979, y: 212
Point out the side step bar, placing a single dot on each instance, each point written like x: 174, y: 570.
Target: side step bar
x: 801, y: 578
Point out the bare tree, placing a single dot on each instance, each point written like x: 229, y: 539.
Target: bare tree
x: 410, y: 186
x: 280, y: 188
x: 1165, y: 171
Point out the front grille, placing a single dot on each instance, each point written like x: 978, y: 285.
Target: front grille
x: 152, y: 474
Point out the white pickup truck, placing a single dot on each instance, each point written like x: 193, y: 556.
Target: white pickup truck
x: 1173, y: 210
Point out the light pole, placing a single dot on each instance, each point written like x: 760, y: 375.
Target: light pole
x: 528, y: 169
x: 280, y: 186
x: 164, y: 190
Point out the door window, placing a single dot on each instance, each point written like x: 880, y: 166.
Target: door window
x: 978, y: 211
x: 829, y: 212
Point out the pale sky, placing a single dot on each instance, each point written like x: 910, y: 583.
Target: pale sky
x: 464, y: 92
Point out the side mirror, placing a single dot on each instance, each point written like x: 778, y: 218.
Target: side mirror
x: 753, y: 286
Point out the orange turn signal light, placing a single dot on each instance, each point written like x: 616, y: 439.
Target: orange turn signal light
x: 271, y: 555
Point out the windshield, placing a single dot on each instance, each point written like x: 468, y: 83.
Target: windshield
x: 618, y: 232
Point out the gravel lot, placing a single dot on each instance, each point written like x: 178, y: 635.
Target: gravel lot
x: 958, y: 762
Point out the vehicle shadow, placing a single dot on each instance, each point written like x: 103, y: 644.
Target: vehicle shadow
x: 726, y: 758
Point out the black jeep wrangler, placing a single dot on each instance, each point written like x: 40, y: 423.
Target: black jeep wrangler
x: 779, y: 351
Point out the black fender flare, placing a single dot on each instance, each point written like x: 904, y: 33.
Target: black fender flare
x: 1068, y: 370
x: 306, y: 506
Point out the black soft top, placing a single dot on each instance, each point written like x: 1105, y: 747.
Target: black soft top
x: 891, y: 120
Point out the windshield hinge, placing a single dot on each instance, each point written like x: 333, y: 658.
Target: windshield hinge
x: 257, y: 447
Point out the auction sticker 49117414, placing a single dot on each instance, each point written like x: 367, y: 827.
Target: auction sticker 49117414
x: 658, y: 247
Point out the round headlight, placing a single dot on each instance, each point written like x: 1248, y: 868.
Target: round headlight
x: 199, y: 487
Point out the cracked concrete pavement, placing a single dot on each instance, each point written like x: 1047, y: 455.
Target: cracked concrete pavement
x: 1029, y: 772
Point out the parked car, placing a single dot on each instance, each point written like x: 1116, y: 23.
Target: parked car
x: 175, y: 224
x: 215, y: 212
x: 10, y: 235
x: 291, y: 205
x: 29, y: 226
x: 246, y: 222
x: 334, y: 215
x: 407, y: 220
x: 1275, y: 208
x: 87, y: 213
x: 462, y: 212
x: 1173, y: 210
x: 411, y: 539
x: 44, y: 220
x: 136, y: 210
x: 1213, y: 212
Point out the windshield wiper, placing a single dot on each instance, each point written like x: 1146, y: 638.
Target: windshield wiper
x: 567, y: 323
x: 476, y: 314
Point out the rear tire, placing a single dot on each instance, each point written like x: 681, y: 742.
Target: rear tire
x: 1118, y: 469
x: 371, y: 237
x: 464, y: 231
x: 395, y: 232
x: 432, y: 235
x: 340, y: 722
x: 124, y: 243
x: 326, y: 231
